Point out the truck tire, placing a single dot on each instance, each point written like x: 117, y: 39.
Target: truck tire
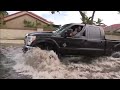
x: 46, y: 47
x: 49, y: 47
x: 116, y: 55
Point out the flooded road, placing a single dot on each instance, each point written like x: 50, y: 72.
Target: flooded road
x: 6, y: 70
x: 41, y: 64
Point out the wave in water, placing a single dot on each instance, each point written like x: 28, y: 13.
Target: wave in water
x: 42, y: 64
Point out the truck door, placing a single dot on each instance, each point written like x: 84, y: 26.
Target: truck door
x: 95, y: 43
x: 87, y: 42
x: 73, y: 45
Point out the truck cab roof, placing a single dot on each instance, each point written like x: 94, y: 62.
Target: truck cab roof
x: 83, y: 24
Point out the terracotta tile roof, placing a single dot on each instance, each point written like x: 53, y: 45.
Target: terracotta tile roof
x: 112, y: 27
x: 21, y: 13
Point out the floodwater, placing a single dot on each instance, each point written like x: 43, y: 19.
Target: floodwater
x: 6, y: 68
x: 41, y: 64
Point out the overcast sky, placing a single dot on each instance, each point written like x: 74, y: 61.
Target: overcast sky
x: 108, y: 17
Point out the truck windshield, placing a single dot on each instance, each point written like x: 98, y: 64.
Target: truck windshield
x: 61, y: 29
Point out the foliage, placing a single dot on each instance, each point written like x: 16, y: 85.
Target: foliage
x: 28, y: 23
x: 54, y: 12
x: 31, y: 24
x: 99, y: 22
x: 2, y: 15
x: 85, y: 19
x: 38, y: 23
x: 48, y: 27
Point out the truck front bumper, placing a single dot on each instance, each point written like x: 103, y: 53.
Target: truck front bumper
x: 26, y: 48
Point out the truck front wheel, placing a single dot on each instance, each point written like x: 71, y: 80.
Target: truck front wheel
x: 46, y: 47
x: 49, y: 47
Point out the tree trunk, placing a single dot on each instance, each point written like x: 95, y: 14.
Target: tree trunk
x: 92, y: 17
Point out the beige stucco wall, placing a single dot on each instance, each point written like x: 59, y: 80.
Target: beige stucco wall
x: 19, y: 22
x: 14, y: 33
x: 112, y: 37
x: 118, y: 30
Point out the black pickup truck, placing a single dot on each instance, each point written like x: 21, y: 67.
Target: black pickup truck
x: 90, y: 40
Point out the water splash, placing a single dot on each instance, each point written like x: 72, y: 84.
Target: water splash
x: 41, y: 64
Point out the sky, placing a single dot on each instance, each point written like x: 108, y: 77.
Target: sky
x: 64, y: 17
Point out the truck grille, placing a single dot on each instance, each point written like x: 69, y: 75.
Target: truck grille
x: 27, y: 40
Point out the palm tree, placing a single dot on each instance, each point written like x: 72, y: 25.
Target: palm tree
x: 54, y: 12
x: 99, y: 22
x: 2, y: 15
x: 85, y: 19
x: 93, y: 14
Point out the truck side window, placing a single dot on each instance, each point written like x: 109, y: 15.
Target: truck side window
x: 76, y: 31
x: 94, y: 32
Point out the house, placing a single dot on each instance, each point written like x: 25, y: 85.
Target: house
x: 112, y: 28
x: 18, y: 24
x: 117, y: 31
x: 25, y: 20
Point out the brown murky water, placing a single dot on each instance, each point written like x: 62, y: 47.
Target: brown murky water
x: 41, y: 64
x: 6, y: 67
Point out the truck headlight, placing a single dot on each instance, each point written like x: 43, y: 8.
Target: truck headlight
x: 30, y: 39
x: 26, y: 34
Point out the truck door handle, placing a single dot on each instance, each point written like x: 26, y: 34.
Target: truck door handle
x: 101, y: 41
